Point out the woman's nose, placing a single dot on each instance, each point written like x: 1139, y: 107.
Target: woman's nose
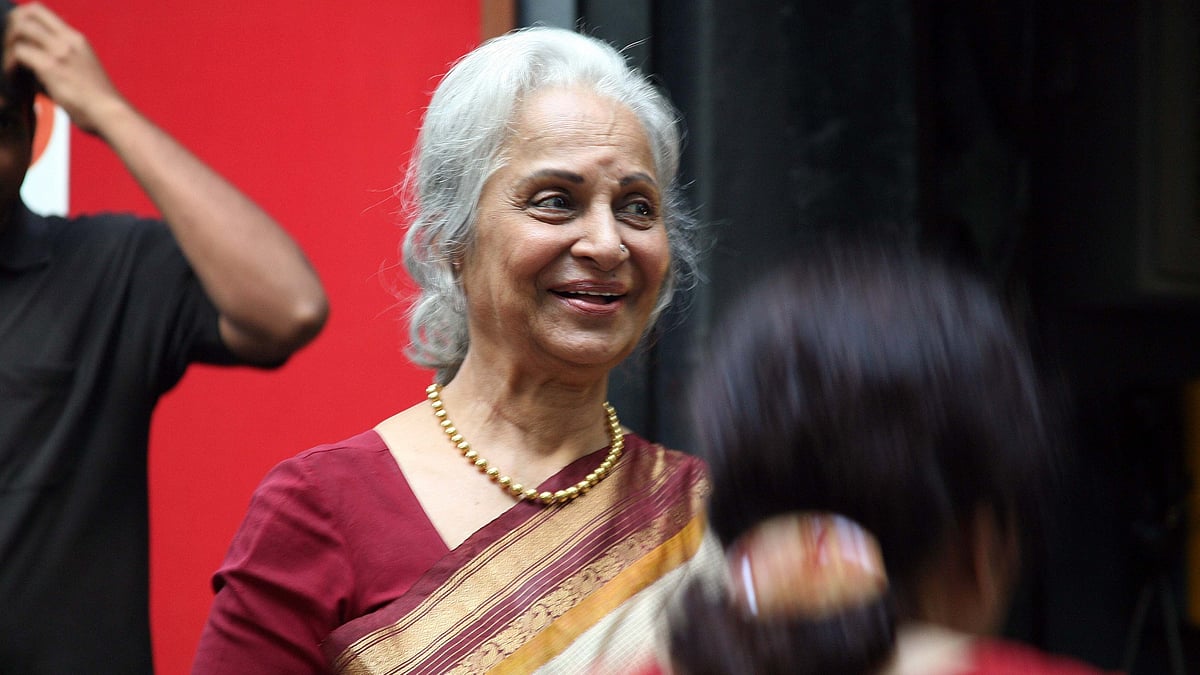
x: 600, y: 240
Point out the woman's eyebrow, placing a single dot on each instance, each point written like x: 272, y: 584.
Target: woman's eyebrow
x: 558, y: 173
x: 639, y: 177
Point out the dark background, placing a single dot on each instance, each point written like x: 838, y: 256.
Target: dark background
x: 1053, y: 145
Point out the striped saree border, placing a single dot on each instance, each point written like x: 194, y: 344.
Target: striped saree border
x: 523, y: 588
x: 631, y: 581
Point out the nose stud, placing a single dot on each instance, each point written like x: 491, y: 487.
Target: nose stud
x: 623, y: 249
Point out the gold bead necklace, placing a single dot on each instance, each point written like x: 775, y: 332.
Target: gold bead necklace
x: 434, y: 393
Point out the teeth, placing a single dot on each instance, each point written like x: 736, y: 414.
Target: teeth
x: 603, y: 295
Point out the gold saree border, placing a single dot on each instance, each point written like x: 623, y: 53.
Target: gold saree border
x: 637, y: 577
x: 576, y: 563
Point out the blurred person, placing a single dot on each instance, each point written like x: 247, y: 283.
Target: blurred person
x: 99, y: 316
x: 508, y: 521
x: 880, y: 451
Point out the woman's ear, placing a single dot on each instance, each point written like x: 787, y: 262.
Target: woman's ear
x: 455, y: 256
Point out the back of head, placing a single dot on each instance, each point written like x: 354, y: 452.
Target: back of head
x: 878, y: 384
x: 461, y: 144
x: 19, y: 87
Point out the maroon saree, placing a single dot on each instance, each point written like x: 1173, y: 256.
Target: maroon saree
x: 577, y: 587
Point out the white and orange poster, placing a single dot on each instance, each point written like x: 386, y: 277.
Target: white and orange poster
x: 46, y: 189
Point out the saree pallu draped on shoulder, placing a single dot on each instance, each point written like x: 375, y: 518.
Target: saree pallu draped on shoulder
x: 577, y: 587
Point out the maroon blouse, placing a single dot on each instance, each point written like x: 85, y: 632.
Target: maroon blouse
x: 330, y: 534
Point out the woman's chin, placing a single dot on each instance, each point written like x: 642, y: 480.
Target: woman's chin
x: 593, y: 351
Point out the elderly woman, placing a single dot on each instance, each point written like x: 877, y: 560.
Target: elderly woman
x: 508, y: 522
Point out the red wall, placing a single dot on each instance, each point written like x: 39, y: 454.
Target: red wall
x: 310, y: 108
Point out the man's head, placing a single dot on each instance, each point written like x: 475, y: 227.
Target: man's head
x: 17, y: 89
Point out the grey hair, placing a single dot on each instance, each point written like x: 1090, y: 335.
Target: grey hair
x: 460, y: 145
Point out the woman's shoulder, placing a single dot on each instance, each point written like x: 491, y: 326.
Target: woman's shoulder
x: 672, y: 471
x: 359, y: 447
x: 676, y: 459
x: 354, y: 485
x: 354, y: 458
x: 1002, y: 657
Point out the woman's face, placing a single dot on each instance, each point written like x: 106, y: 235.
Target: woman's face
x: 570, y: 248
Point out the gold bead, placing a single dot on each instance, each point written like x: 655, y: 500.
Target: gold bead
x: 519, y: 491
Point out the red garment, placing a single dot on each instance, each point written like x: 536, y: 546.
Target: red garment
x: 998, y: 657
x: 994, y: 657
x: 331, y: 534
x: 580, y: 587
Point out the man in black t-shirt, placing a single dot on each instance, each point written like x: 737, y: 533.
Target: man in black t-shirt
x: 99, y: 316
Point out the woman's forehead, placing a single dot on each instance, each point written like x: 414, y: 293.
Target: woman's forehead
x: 568, y: 122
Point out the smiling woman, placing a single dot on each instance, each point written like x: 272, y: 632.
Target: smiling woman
x: 571, y: 247
x: 546, y: 237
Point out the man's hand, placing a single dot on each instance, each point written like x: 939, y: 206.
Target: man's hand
x: 63, y: 62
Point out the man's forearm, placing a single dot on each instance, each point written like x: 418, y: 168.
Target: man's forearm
x: 270, y: 299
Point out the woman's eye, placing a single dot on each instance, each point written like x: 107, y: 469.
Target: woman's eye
x: 551, y: 202
x: 638, y: 209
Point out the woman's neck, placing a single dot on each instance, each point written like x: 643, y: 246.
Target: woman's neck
x: 528, y: 418
x: 929, y: 649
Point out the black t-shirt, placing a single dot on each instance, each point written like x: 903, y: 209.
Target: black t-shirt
x: 99, y: 316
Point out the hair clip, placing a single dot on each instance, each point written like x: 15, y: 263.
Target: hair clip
x: 805, y: 564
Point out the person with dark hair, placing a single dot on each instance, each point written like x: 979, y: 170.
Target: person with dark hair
x: 880, y: 453
x: 100, y: 315
x: 546, y: 237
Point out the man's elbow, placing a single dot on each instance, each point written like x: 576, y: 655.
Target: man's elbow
x: 304, y: 323
x: 273, y: 346
x: 307, y: 320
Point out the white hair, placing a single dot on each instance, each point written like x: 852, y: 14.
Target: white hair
x: 459, y: 147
